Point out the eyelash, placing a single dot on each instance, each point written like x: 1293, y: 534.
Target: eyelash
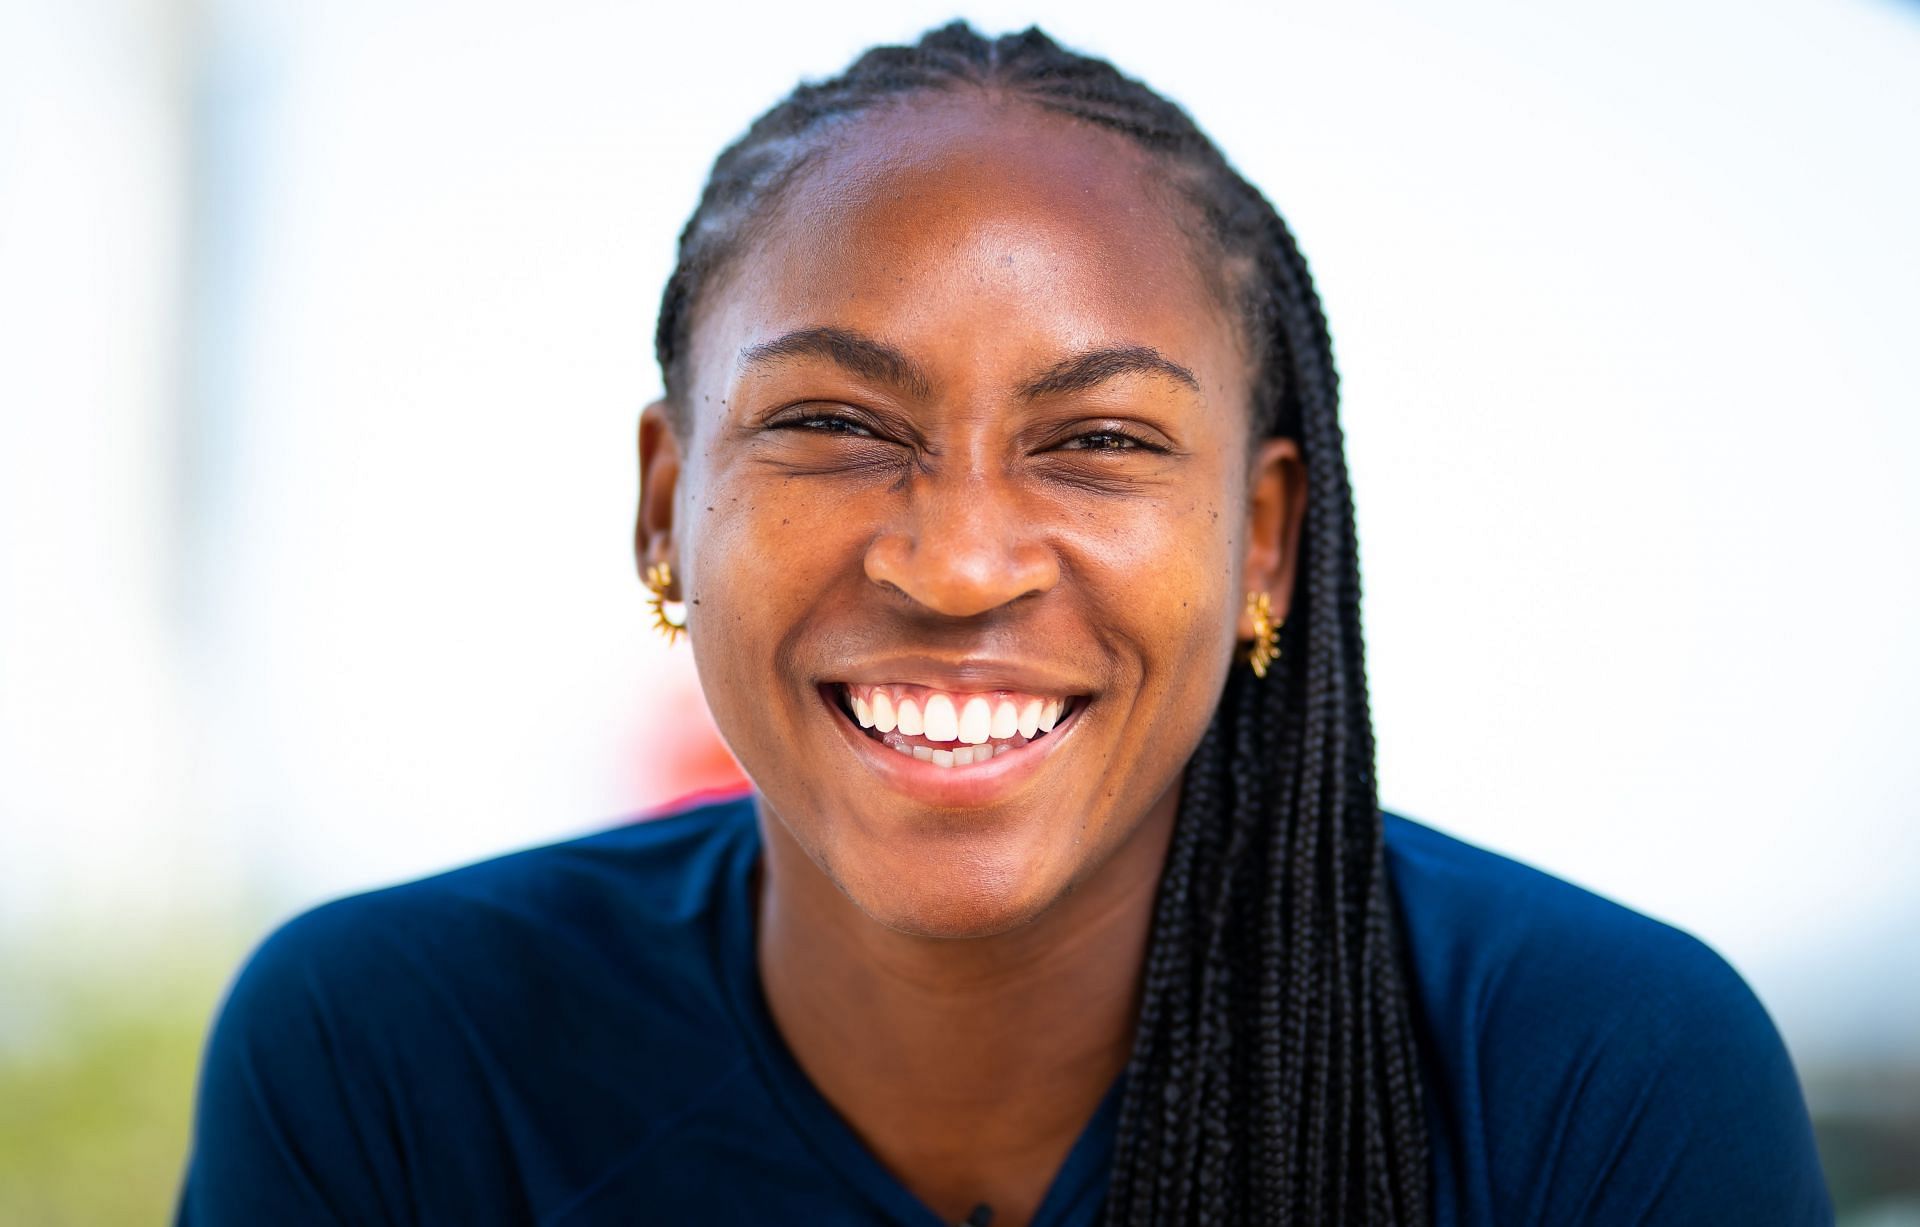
x: 1126, y: 441
x: 826, y: 424
x: 843, y: 426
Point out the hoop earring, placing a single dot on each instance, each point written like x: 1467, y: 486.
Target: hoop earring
x: 1266, y: 633
x: 671, y: 623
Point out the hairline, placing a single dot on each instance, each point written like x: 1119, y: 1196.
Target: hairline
x: 1184, y: 209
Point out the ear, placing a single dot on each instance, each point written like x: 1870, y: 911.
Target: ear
x: 659, y: 479
x: 1276, y: 508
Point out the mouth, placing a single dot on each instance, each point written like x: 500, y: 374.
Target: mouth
x: 952, y: 729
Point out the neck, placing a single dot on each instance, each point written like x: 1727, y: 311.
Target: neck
x: 968, y: 1066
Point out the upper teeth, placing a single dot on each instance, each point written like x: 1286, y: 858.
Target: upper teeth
x: 939, y: 715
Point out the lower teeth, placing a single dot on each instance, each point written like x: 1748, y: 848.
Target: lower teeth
x: 959, y: 756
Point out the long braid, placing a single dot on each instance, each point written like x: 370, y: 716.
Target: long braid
x: 1274, y: 1073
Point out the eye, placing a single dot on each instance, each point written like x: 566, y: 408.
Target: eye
x: 831, y: 439
x: 1108, y: 440
x: 826, y: 424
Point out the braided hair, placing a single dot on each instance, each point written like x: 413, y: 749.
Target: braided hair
x: 1273, y: 1076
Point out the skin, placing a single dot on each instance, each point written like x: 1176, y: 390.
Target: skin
x: 899, y: 496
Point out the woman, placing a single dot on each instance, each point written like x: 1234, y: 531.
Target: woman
x: 1000, y: 484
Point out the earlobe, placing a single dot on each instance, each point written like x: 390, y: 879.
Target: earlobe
x: 1276, y: 509
x: 659, y: 480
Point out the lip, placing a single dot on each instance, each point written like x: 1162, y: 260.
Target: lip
x: 969, y: 787
x: 968, y: 675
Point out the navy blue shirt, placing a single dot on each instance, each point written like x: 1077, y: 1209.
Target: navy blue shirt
x: 575, y: 1036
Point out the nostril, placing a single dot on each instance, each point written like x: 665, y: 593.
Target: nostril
x: 961, y: 575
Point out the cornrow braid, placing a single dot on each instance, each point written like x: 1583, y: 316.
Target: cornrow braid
x: 1273, y: 1077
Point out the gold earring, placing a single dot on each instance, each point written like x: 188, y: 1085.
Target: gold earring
x: 1266, y: 633
x: 674, y: 624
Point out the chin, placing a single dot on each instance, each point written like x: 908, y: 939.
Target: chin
x: 967, y: 893
x: 960, y: 920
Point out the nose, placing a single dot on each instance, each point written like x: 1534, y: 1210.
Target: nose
x: 962, y: 548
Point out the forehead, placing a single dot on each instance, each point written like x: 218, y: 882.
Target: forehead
x: 982, y: 226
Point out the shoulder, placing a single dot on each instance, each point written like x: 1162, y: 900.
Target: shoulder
x: 653, y: 878
x: 1513, y: 929
x: 567, y: 998
x: 1592, y: 1063
x: 627, y: 910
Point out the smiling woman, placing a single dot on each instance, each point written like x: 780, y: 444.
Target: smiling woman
x: 1000, y: 479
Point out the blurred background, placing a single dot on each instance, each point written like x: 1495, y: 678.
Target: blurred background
x: 324, y: 330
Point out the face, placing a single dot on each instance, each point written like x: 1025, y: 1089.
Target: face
x: 963, y: 502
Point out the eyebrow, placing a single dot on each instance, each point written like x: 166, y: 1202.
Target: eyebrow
x: 1095, y: 366
x: 875, y: 359
x: 857, y: 352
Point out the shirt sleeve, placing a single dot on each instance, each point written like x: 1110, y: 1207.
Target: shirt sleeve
x: 1682, y: 1107
x: 281, y: 1135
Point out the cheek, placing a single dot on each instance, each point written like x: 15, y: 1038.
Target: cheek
x: 1161, y: 582
x: 776, y: 540
x: 759, y: 556
x: 1167, y: 575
